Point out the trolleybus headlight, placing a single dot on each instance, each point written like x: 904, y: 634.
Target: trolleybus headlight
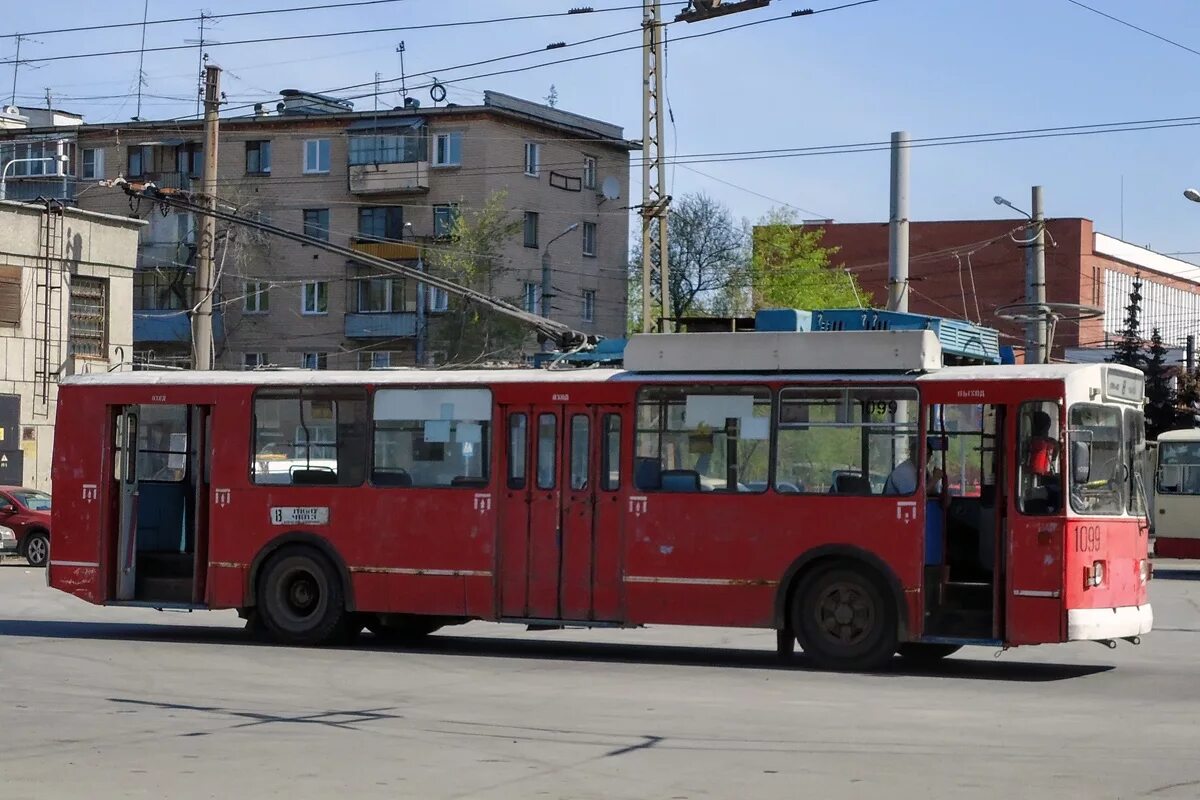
x: 1097, y: 573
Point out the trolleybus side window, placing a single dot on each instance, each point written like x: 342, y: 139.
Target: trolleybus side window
x: 162, y: 443
x: 845, y: 441
x: 547, y: 451
x: 518, y: 436
x: 966, y: 451
x: 1179, y: 468
x: 1097, y: 466
x: 1039, y: 470
x: 1139, y: 484
x: 431, y: 437
x: 703, y: 438
x: 610, y: 467
x: 580, y: 450
x: 310, y: 436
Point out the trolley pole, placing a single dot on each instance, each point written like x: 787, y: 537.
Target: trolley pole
x: 1038, y: 287
x: 898, y: 225
x: 202, y: 312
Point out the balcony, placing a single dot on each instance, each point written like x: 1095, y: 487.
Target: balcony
x: 392, y: 251
x: 410, y: 176
x: 165, y: 180
x: 381, y: 325
x: 27, y: 189
x: 169, y: 326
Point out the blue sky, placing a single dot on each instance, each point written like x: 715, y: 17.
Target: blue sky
x: 931, y: 67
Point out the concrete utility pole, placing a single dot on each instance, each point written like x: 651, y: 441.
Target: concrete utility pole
x: 548, y: 278
x: 202, y: 332
x: 898, y: 225
x: 655, y: 200
x: 1037, y: 286
x: 1191, y: 354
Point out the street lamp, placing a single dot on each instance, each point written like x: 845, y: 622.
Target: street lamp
x: 1192, y: 194
x: 547, y: 288
x: 1000, y: 201
x: 61, y: 158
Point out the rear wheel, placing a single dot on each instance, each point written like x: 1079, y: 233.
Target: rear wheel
x: 37, y: 549
x: 926, y: 652
x: 402, y: 628
x: 301, y: 599
x: 844, y: 619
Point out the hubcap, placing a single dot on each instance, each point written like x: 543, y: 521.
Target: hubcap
x: 845, y: 613
x: 36, y: 551
x: 302, y: 594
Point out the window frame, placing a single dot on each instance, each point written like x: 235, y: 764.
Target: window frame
x: 317, y: 229
x: 590, y: 169
x: 318, y: 145
x: 393, y: 223
x: 530, y: 224
x: 319, y: 288
x: 511, y: 479
x: 98, y: 339
x: 260, y: 359
x: 448, y: 137
x: 336, y: 394
x: 260, y: 294
x: 588, y: 313
x: 607, y: 465
x: 1019, y: 492
x: 531, y: 297
x: 448, y: 213
x: 320, y: 360
x: 590, y: 231
x: 97, y: 167
x: 259, y: 147
x: 533, y: 159
x: 487, y: 443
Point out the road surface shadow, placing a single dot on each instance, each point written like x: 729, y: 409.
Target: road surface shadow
x: 540, y: 649
x: 1168, y: 574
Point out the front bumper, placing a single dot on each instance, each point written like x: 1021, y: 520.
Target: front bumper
x: 1089, y: 624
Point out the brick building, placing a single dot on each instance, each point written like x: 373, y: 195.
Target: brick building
x: 386, y: 182
x: 966, y: 269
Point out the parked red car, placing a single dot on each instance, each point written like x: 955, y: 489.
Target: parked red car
x: 27, y: 512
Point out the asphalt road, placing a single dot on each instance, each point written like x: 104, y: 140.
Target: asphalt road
x: 107, y: 703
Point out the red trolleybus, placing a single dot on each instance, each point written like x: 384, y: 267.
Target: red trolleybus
x: 841, y: 488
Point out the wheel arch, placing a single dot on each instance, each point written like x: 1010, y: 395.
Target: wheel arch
x: 807, y: 563
x: 303, y: 538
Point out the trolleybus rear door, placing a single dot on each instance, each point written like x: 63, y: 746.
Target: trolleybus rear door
x: 127, y: 479
x: 545, y: 514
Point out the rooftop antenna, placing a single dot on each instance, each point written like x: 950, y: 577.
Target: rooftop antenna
x: 403, y: 81
x: 203, y: 57
x: 377, y: 92
x: 141, y: 82
x: 17, y: 63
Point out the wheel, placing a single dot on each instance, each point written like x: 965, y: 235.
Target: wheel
x: 926, y: 652
x: 300, y: 598
x: 844, y: 620
x: 401, y: 628
x: 37, y: 549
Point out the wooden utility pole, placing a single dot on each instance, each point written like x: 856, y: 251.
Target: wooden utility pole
x: 202, y: 311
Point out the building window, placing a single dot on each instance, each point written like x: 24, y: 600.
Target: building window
x: 189, y: 159
x: 445, y: 216
x: 258, y: 158
x: 589, y: 239
x: 89, y: 317
x: 389, y: 149
x: 531, y: 298
x: 533, y: 158
x: 531, y: 229
x: 382, y: 296
x: 316, y: 223
x: 10, y: 295
x: 316, y: 297
x: 315, y: 361
x: 381, y: 223
x: 162, y: 289
x: 379, y: 359
x: 93, y: 164
x: 439, y: 299
x: 447, y: 151
x: 316, y: 156
x: 255, y: 299
x: 255, y: 360
x: 589, y: 305
x: 139, y: 161
x: 589, y: 172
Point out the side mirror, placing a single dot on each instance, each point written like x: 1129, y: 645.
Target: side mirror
x: 1081, y: 462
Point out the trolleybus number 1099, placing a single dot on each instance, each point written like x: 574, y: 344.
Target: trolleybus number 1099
x: 1088, y: 539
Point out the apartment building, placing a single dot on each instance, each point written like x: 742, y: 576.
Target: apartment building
x: 389, y: 183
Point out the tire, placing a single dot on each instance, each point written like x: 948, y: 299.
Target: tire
x: 37, y: 549
x: 924, y: 653
x: 845, y: 620
x: 402, y: 628
x: 301, y: 599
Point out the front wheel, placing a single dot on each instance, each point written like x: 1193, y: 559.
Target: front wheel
x: 37, y: 549
x: 844, y: 620
x: 301, y: 599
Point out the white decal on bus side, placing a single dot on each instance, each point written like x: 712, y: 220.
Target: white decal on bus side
x: 637, y: 505
x: 222, y: 497
x: 90, y: 492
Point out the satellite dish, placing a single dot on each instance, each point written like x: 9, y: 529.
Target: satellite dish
x: 611, y: 188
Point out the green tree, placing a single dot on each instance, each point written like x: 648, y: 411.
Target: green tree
x: 473, y: 257
x: 1128, y: 350
x: 1188, y: 400
x: 790, y: 269
x: 1160, y: 393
